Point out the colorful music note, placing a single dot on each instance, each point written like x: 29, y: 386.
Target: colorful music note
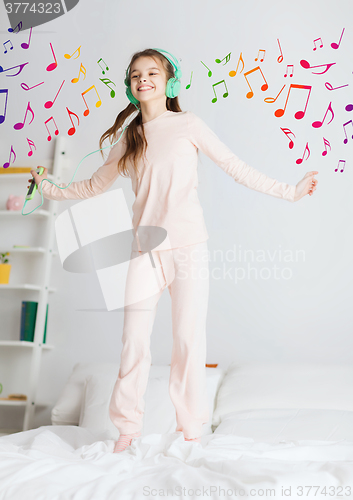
x: 321, y: 45
x: 300, y: 160
x: 287, y: 131
x: 209, y: 71
x: 25, y: 86
x: 346, y: 139
x: 299, y: 114
x: 6, y: 165
x: 19, y: 26
x: 19, y: 126
x: 233, y: 73
x: 335, y: 45
x: 189, y: 84
x: 349, y: 107
x: 264, y: 87
x: 227, y: 58
x: 338, y: 166
x: 98, y: 103
x: 56, y: 131
x: 258, y: 55
x: 8, y: 41
x: 83, y: 71
x: 49, y: 104
x: 106, y: 67
x: 224, y: 95
x: 6, y: 92
x: 289, y: 66
x: 326, y: 143
x: 271, y: 99
x: 72, y: 130
x: 53, y: 65
x: 25, y: 45
x: 21, y: 66
x: 106, y: 81
x: 318, y: 124
x: 306, y: 65
x: 329, y: 86
x: 30, y: 144
x: 67, y: 56
x: 279, y: 58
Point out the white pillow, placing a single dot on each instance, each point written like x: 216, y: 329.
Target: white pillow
x: 283, y: 385
x: 159, y: 415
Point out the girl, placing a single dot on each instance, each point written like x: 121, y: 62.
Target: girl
x: 159, y: 153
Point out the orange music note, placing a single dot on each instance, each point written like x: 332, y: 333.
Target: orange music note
x: 98, y: 103
x: 72, y: 130
x: 67, y: 56
x: 19, y: 126
x: 53, y: 65
x: 271, y: 99
x: 56, y: 131
x: 321, y: 44
x: 326, y: 143
x: 258, y: 55
x: 338, y: 166
x: 106, y: 81
x: 25, y: 45
x: 304, y: 64
x: 299, y: 161
x: 4, y: 44
x: 30, y: 144
x: 6, y: 165
x: 264, y: 87
x: 335, y: 45
x: 346, y: 139
x: 209, y: 71
x: 299, y: 114
x: 289, y: 66
x: 227, y: 58
x: 189, y: 84
x: 224, y: 95
x: 49, y: 104
x: 287, y: 131
x: 233, y: 73
x: 318, y: 124
x: 106, y: 67
x: 279, y: 58
x: 83, y: 71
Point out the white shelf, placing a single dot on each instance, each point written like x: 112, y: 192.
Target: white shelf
x: 25, y: 286
x: 39, y: 250
x: 22, y: 176
x: 18, y: 213
x: 22, y: 343
x: 22, y: 403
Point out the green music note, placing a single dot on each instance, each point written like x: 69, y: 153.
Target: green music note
x: 224, y: 95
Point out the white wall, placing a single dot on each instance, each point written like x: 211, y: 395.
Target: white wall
x: 303, y: 314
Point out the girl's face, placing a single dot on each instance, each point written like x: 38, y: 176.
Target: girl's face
x: 149, y: 76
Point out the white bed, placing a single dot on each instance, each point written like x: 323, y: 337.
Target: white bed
x: 279, y: 431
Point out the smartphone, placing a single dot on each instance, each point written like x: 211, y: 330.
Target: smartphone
x: 33, y: 187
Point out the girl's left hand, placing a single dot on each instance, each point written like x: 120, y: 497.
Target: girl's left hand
x: 306, y: 186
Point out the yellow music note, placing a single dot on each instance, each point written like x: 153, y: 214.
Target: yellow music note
x: 67, y: 56
x: 98, y: 103
x: 233, y: 73
x: 83, y: 71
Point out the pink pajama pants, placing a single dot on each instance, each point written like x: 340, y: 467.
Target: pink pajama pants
x: 189, y: 292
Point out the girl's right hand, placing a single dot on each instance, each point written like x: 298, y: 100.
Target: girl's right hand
x: 38, y: 178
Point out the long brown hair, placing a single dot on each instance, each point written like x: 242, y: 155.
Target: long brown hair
x: 135, y: 144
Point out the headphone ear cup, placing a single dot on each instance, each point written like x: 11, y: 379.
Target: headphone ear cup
x: 173, y: 87
x: 130, y: 96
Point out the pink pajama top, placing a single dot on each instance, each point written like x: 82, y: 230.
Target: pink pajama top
x: 166, y: 193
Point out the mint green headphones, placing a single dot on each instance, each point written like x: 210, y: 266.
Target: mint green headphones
x: 173, y: 84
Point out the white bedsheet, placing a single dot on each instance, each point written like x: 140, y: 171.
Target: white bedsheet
x: 69, y: 462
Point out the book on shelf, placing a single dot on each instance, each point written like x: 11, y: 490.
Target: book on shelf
x: 28, y: 320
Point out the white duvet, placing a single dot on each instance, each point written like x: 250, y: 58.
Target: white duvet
x: 256, y: 453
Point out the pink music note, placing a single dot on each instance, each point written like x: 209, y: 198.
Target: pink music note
x: 53, y: 65
x: 258, y: 55
x: 19, y: 26
x: 326, y: 143
x: 20, y: 125
x: 21, y: 66
x: 49, y: 104
x: 56, y: 131
x: 304, y: 64
x: 106, y: 82
x: 4, y: 44
x: 288, y: 67
x: 299, y: 161
x: 106, y: 67
x: 72, y: 130
x: 318, y: 124
x: 329, y: 86
x: 287, y: 131
x: 321, y: 44
x: 299, y: 114
x: 6, y: 92
x: 346, y: 139
x: 83, y: 71
x: 30, y: 144
x: 338, y: 166
x: 6, y: 165
x: 240, y: 60
x: 98, y: 103
x: 25, y: 86
x: 67, y: 56
x: 279, y: 58
x: 271, y: 99
x: 335, y: 45
x: 25, y: 45
x: 264, y: 87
